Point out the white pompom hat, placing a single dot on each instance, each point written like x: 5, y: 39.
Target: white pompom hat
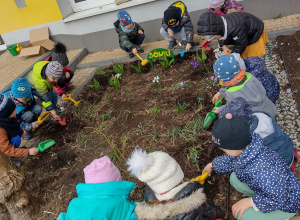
x: 158, y: 169
x: 216, y: 3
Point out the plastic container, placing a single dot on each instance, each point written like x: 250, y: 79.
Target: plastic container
x: 13, y: 50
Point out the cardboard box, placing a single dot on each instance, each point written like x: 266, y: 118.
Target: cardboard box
x: 39, y: 43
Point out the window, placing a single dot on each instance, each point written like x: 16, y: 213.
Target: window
x: 80, y: 5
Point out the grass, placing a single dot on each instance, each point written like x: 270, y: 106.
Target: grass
x: 126, y: 93
x: 81, y: 140
x: 194, y: 154
x: 125, y: 112
x: 180, y: 108
x: 105, y: 116
x: 87, y: 110
x: 155, y: 110
x: 124, y: 138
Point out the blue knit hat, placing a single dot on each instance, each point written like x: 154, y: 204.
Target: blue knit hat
x: 124, y: 18
x: 54, y: 69
x: 226, y: 67
x: 20, y: 88
x: 7, y: 106
x: 238, y: 107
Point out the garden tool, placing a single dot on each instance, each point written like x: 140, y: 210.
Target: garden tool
x: 144, y: 62
x: 45, y: 145
x: 19, y: 47
x: 200, y: 178
x: 210, y: 117
x: 205, y: 45
x: 61, y: 121
x: 42, y: 118
x: 68, y: 97
x: 182, y: 53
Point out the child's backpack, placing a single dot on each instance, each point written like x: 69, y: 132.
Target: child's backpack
x: 256, y: 67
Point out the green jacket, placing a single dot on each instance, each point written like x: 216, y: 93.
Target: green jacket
x: 37, y: 80
x: 126, y: 38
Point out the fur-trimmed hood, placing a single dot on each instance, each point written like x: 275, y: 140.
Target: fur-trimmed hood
x: 170, y: 209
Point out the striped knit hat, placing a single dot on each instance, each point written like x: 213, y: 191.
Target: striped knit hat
x: 54, y: 69
x: 7, y: 106
x: 20, y: 88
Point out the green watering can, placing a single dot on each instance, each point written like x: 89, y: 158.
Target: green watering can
x: 210, y: 117
x: 45, y: 145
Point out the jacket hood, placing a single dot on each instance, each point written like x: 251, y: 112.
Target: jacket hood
x: 254, y: 65
x: 210, y: 24
x: 170, y: 209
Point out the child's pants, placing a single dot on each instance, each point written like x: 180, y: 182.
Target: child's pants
x: 63, y: 80
x: 32, y: 114
x: 138, y: 40
x: 53, y: 96
x: 250, y: 213
x: 177, y: 36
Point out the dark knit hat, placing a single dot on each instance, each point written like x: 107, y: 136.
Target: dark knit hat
x: 238, y: 107
x: 7, y: 106
x: 171, y: 16
x: 124, y: 18
x: 54, y: 69
x: 60, y: 55
x: 210, y: 23
x: 231, y: 133
x: 20, y: 88
x: 226, y: 67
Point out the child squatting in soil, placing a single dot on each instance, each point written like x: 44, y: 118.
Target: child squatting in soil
x: 257, y: 171
x: 243, y: 30
x: 59, y: 54
x: 237, y: 83
x: 131, y: 34
x: 42, y: 80
x: 222, y: 7
x: 103, y: 195
x: 177, y: 25
x: 166, y: 195
x: 11, y: 132
x: 27, y: 109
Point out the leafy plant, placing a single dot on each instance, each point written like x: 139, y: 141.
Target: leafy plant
x: 203, y: 58
x: 96, y: 85
x: 157, y: 81
x: 155, y: 110
x: 119, y: 68
x: 165, y: 62
x: 179, y: 108
x: 100, y: 71
x: 182, y: 85
x: 115, y: 82
x: 137, y: 68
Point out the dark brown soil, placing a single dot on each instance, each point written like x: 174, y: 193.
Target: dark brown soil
x: 290, y: 52
x: 130, y: 122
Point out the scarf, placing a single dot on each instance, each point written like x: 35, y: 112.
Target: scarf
x: 128, y: 30
x: 238, y: 78
x: 10, y: 125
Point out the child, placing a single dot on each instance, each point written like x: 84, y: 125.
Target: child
x: 238, y: 83
x: 256, y: 67
x: 10, y: 131
x: 264, y: 125
x: 243, y: 30
x: 27, y: 109
x: 167, y: 196
x: 177, y: 25
x: 59, y: 54
x: 131, y: 34
x: 222, y: 7
x: 258, y: 172
x: 42, y: 80
x: 103, y: 195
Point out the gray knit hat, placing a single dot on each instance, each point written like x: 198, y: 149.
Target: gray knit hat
x: 60, y: 55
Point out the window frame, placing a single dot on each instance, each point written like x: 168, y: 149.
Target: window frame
x: 89, y: 4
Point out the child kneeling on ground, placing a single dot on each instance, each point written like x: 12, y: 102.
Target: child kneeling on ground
x: 10, y: 131
x: 27, y: 109
x: 257, y: 171
x: 237, y: 83
x: 131, y: 34
x: 103, y: 195
x: 42, y: 80
x: 167, y: 196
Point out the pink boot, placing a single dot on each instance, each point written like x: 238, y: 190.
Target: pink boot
x: 68, y: 86
x: 60, y: 91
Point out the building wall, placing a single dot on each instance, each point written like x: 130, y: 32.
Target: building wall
x: 97, y: 33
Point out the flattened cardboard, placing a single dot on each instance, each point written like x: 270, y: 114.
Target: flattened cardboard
x: 39, y: 43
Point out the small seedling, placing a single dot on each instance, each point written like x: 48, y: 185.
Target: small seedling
x: 105, y: 116
x: 115, y: 82
x: 96, y: 85
x: 124, y: 138
x: 178, y: 73
x: 137, y: 68
x: 179, y: 108
x: 119, y: 68
x: 165, y: 62
x: 100, y: 71
x: 126, y: 112
x: 204, y: 57
x: 155, y: 110
x: 126, y: 93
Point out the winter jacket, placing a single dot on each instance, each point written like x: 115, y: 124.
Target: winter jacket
x: 8, y: 149
x: 126, y: 38
x: 256, y: 67
x: 253, y: 92
x: 238, y: 29
x: 275, y: 186
x: 273, y: 137
x: 228, y: 4
x: 101, y: 201
x: 189, y: 203
x: 37, y: 80
x: 185, y: 21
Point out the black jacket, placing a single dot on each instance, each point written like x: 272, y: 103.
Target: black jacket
x: 189, y: 204
x: 243, y: 29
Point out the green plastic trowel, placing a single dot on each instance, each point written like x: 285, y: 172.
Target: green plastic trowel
x: 210, y: 117
x: 45, y: 145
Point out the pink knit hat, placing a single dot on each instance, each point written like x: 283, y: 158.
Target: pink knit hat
x: 216, y: 3
x: 101, y: 170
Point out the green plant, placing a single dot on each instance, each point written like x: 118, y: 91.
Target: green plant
x: 105, y: 116
x: 174, y: 132
x: 125, y: 112
x: 115, y: 82
x: 193, y: 155
x: 157, y: 81
x: 126, y: 93
x: 155, y: 110
x: 119, y: 68
x: 165, y: 62
x: 200, y: 100
x: 96, y: 85
x: 86, y: 111
x: 107, y: 97
x: 100, y: 71
x: 179, y: 108
x: 203, y: 58
x: 137, y: 68
x: 154, y: 136
x: 278, y: 16
x: 178, y: 73
x: 124, y: 138
x: 81, y: 139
